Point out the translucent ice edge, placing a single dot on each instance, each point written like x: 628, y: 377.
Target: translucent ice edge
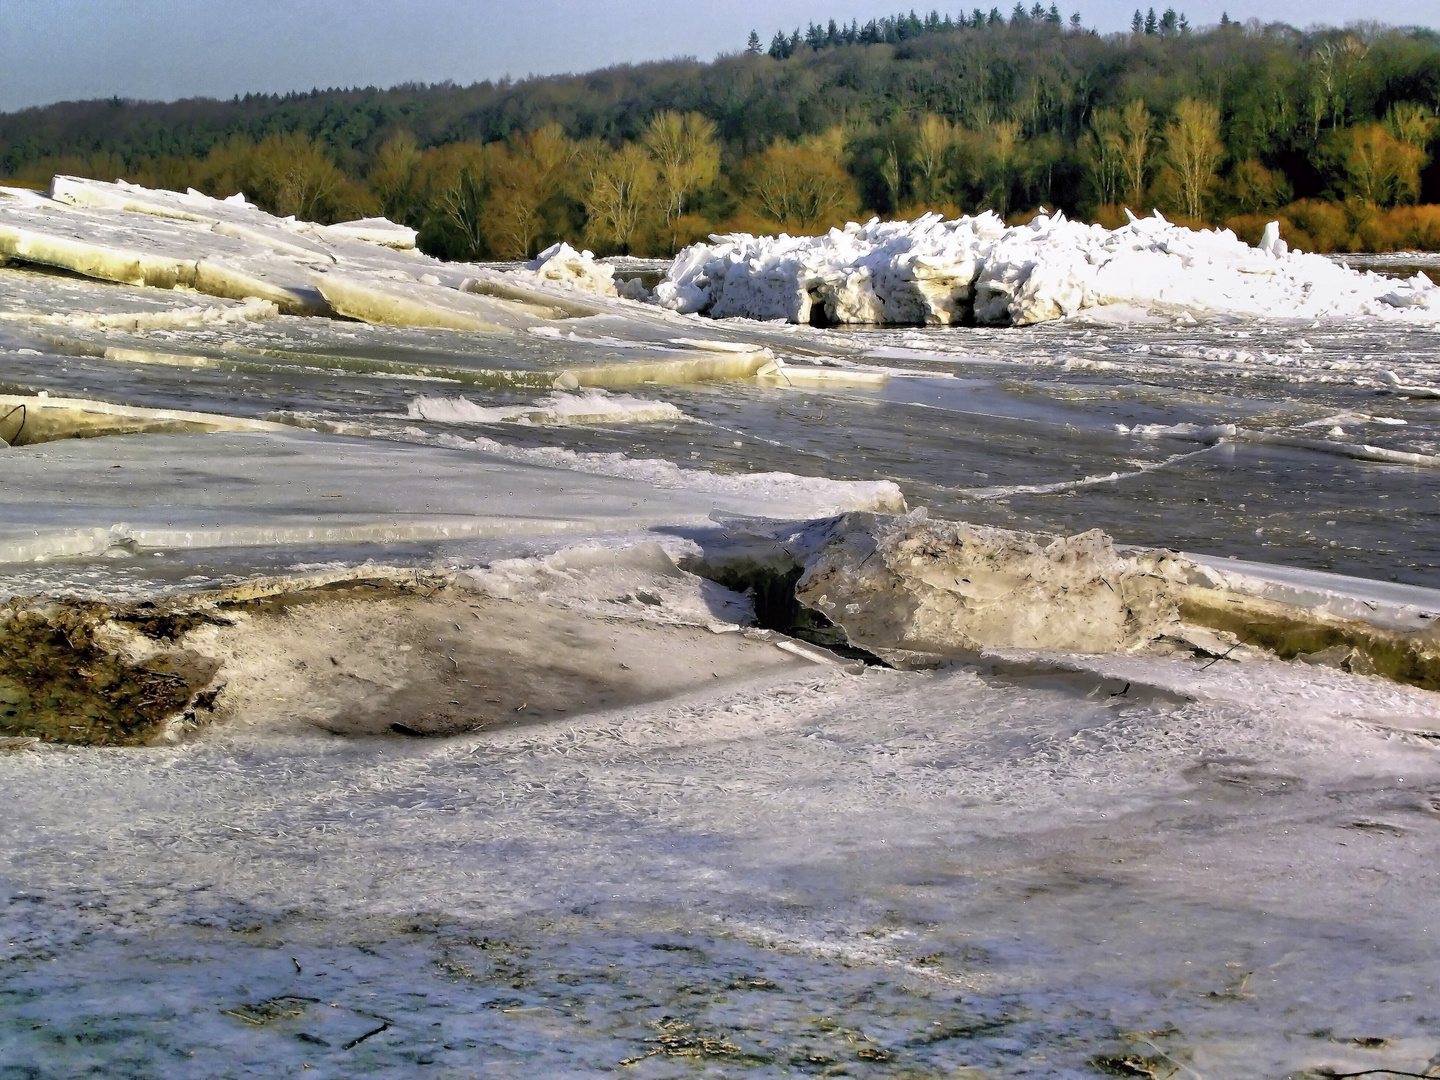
x: 589, y: 407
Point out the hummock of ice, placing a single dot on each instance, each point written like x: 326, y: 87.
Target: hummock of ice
x: 911, y: 585
x: 562, y: 264
x: 936, y: 272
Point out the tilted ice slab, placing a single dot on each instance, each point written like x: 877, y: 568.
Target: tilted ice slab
x: 229, y: 248
x: 935, y: 272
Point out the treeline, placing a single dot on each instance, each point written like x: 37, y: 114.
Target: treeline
x: 892, y: 30
x: 1331, y: 130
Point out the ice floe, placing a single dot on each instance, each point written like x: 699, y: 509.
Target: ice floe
x: 273, y: 488
x: 977, y: 269
x: 589, y: 407
x: 26, y: 420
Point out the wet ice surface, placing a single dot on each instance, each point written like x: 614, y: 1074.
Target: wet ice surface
x: 903, y: 874
x: 984, y: 418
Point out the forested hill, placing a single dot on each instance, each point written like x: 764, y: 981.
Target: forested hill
x: 954, y: 112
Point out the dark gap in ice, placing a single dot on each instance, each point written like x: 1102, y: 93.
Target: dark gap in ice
x: 772, y: 594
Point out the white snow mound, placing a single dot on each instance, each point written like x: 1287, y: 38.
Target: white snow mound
x: 977, y: 269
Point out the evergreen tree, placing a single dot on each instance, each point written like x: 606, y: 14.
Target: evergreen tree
x: 1053, y: 15
x: 1137, y: 24
x: 753, y: 45
x: 1169, y: 23
x: 1224, y: 18
x: 1152, y: 24
x: 779, y: 46
x: 1018, y: 17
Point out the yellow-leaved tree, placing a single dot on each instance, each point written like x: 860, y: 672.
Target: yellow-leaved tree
x: 525, y: 176
x: 1101, y: 150
x: 454, y: 182
x: 616, y: 186
x: 933, y: 139
x: 1002, y: 156
x: 289, y: 174
x: 799, y: 187
x: 392, y: 176
x: 1411, y: 123
x: 1194, y: 151
x: 687, y: 160
x: 1132, y: 142
x: 1254, y: 188
x: 1378, y: 168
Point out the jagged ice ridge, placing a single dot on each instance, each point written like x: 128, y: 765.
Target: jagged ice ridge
x: 977, y: 269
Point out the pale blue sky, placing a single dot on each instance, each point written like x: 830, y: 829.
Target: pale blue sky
x: 165, y: 49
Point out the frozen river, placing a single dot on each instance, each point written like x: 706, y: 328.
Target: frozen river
x: 642, y: 838
x: 1265, y: 442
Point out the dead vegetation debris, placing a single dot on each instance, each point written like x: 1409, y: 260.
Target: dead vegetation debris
x: 1132, y: 1065
x: 64, y: 677
x: 678, y: 1039
x: 285, y: 1007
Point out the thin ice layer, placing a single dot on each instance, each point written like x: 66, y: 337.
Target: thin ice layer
x: 300, y: 489
x: 936, y: 272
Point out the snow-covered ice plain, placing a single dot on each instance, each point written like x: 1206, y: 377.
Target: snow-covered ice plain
x: 431, y: 592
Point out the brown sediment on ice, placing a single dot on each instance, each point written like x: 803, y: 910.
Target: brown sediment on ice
x: 79, y: 672
x: 375, y: 652
x: 1296, y: 633
x: 392, y: 653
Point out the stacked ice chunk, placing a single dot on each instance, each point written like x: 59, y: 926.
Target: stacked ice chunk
x: 977, y: 269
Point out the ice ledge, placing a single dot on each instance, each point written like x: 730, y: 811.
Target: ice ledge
x: 1389, y: 604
